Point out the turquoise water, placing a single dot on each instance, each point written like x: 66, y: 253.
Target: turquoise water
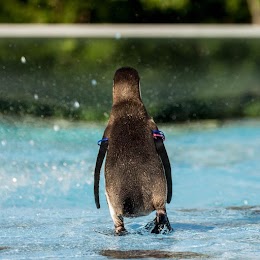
x: 48, y: 210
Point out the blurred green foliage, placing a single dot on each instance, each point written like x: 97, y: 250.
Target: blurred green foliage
x: 180, y: 79
x: 124, y: 11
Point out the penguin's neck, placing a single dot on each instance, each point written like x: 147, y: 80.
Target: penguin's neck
x: 126, y: 93
x: 128, y: 108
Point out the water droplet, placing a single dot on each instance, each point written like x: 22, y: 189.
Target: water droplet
x: 117, y: 35
x: 23, y: 60
x: 245, y: 202
x: 3, y: 142
x: 76, y: 104
x: 82, y: 163
x: 36, y: 97
x: 93, y: 82
x: 56, y: 128
x: 31, y: 142
x: 46, y: 164
x: 14, y: 180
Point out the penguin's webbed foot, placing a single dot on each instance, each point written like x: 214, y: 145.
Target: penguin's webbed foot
x: 119, y: 225
x: 160, y: 225
x: 162, y: 229
x: 120, y: 231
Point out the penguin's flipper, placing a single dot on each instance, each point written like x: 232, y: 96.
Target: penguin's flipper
x: 99, y: 162
x: 166, y: 165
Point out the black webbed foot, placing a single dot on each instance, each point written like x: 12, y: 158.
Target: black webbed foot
x: 160, y: 225
x: 120, y: 231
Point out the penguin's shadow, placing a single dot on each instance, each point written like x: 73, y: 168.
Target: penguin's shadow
x: 150, y: 254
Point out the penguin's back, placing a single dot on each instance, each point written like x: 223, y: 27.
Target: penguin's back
x: 135, y: 181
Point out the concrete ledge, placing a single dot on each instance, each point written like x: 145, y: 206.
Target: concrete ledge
x: 118, y: 31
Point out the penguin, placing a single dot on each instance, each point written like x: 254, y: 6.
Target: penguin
x: 137, y: 168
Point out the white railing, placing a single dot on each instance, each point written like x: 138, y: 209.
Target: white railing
x: 128, y: 31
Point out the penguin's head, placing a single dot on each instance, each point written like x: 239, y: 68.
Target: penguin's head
x: 126, y: 85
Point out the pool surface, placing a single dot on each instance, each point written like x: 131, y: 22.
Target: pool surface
x: 47, y: 203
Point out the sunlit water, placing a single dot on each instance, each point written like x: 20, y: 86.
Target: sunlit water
x: 48, y: 210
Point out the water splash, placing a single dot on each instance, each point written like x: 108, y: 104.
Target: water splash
x: 23, y: 60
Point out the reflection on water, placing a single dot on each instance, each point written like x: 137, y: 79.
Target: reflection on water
x: 47, y: 204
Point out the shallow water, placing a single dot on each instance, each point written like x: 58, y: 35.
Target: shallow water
x: 48, y: 210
